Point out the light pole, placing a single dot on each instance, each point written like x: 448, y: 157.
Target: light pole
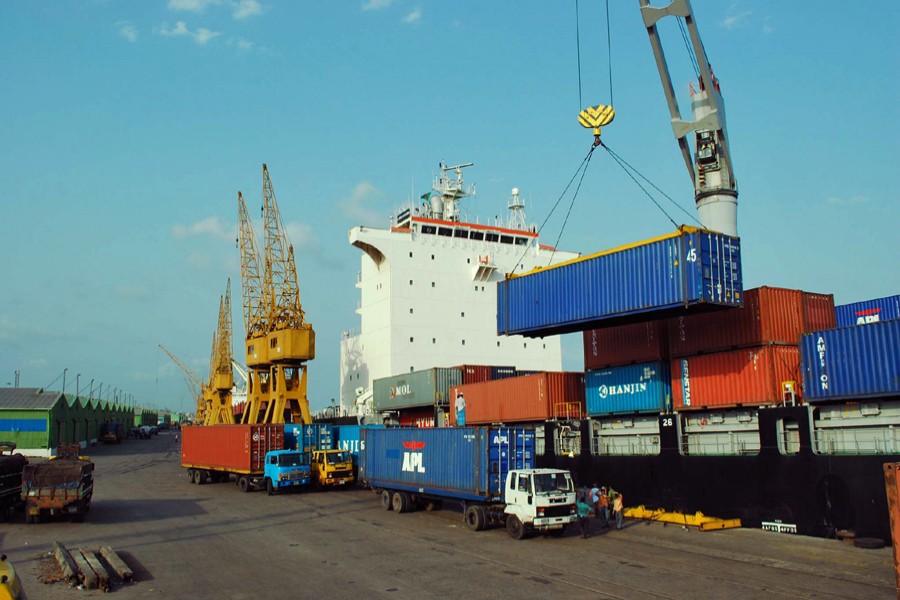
x: 92, y: 389
x: 77, y: 383
x: 64, y: 380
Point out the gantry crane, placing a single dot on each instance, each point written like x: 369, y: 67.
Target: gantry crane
x: 279, y: 341
x: 200, y: 415
x: 217, y: 393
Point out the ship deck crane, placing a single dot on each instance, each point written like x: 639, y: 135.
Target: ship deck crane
x: 710, y: 168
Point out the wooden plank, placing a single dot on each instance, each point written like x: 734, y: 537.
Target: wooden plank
x: 94, y: 562
x: 66, y: 564
x: 116, y: 563
x: 88, y: 577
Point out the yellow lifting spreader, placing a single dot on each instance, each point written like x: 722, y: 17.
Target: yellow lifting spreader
x: 595, y: 117
x: 699, y: 520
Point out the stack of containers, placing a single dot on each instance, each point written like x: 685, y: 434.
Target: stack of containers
x: 530, y: 398
x: 852, y: 363
x: 744, y: 356
x: 416, y: 396
x: 627, y: 369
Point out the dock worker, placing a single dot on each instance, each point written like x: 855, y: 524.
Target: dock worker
x: 460, y: 410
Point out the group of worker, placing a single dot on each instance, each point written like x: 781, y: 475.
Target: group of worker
x: 597, y: 501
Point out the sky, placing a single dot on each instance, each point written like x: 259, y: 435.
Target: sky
x: 129, y: 126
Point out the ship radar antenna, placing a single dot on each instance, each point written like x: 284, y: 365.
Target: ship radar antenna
x: 452, y: 191
x: 516, y: 207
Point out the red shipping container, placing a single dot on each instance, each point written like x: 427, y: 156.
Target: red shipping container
x: 237, y: 448
x: 750, y: 376
x: 474, y: 373
x: 625, y: 345
x: 535, y: 397
x: 769, y: 316
x: 422, y: 416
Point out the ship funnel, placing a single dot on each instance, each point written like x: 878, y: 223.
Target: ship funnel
x: 437, y: 205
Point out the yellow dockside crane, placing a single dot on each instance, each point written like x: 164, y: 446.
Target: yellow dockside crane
x: 279, y: 341
x: 217, y: 393
x: 200, y: 415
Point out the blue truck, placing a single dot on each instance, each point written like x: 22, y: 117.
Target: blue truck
x: 489, y: 471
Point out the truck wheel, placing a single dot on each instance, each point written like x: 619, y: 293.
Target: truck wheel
x: 475, y: 518
x: 386, y: 503
x: 243, y: 484
x: 270, y: 487
x: 400, y: 502
x: 514, y: 527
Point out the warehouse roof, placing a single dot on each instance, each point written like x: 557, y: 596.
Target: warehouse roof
x: 28, y: 398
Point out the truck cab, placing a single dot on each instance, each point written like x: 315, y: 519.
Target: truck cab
x: 538, y: 500
x: 285, y: 469
x: 332, y: 468
x: 112, y: 433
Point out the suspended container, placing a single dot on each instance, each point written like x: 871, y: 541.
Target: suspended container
x: 641, y: 388
x: 867, y: 311
x: 852, y: 362
x: 525, y: 399
x: 692, y: 269
x: 765, y: 375
x: 626, y: 344
x: 430, y: 387
x: 769, y: 315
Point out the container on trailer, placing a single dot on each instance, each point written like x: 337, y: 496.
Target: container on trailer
x: 769, y: 315
x: 416, y: 417
x: 749, y: 376
x: 468, y: 463
x: 347, y: 437
x: 852, y: 362
x: 538, y: 397
x: 690, y: 269
x: 429, y: 387
x: 626, y: 344
x: 867, y: 311
x: 240, y: 448
x: 640, y: 388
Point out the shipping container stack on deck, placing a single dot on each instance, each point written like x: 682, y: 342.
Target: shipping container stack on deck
x: 868, y: 311
x: 531, y: 398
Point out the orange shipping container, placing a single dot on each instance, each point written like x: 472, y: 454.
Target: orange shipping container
x: 535, y: 397
x: 770, y: 315
x: 625, y: 345
x: 892, y: 482
x: 751, y: 376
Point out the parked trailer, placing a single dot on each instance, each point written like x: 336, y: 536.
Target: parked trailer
x: 488, y: 470
x: 11, y: 467
x: 63, y: 485
x: 253, y: 453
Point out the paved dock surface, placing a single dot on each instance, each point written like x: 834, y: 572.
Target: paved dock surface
x: 212, y: 541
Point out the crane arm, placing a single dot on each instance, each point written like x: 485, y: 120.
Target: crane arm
x: 284, y: 310
x: 253, y: 290
x: 190, y: 374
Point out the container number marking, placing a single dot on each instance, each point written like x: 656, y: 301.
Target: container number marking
x: 667, y: 422
x: 692, y: 255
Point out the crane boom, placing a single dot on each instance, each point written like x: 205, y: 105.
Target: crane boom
x: 217, y: 394
x: 710, y: 168
x: 201, y: 402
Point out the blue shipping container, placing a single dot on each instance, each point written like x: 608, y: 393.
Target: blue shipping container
x: 316, y: 436
x: 689, y: 268
x: 645, y: 387
x: 868, y: 311
x: 347, y: 437
x: 851, y: 362
x: 466, y: 463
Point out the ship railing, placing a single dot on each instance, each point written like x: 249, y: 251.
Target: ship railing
x: 728, y: 444
x: 622, y: 445
x: 857, y: 440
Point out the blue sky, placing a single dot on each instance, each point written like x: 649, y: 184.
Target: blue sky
x: 129, y: 127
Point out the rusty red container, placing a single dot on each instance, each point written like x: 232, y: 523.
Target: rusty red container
x: 769, y: 315
x: 535, y: 397
x: 892, y: 484
x: 238, y: 448
x: 474, y: 373
x: 745, y: 377
x: 422, y: 416
x: 626, y: 344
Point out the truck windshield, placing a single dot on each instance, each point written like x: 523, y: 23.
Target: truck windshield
x: 294, y: 459
x: 552, y: 482
x: 338, y: 457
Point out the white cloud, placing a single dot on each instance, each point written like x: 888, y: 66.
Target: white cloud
x: 735, y: 20
x: 127, y: 31
x: 191, y: 5
x: 377, y: 4
x: 201, y: 36
x: 37, y: 362
x: 179, y: 29
x: 212, y: 226
x: 853, y: 200
x: 301, y: 235
x: 413, y: 17
x: 247, y: 8
x: 358, y: 206
x: 243, y: 44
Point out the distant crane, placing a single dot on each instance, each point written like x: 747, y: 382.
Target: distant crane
x: 279, y: 341
x: 192, y: 377
x: 217, y: 393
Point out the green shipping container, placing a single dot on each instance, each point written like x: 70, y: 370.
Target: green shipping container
x: 430, y: 387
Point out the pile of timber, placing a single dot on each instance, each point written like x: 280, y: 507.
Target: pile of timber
x: 90, y: 569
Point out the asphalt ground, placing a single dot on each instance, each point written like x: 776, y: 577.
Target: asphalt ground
x: 212, y: 541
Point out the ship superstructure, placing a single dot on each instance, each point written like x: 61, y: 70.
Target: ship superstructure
x: 428, y: 291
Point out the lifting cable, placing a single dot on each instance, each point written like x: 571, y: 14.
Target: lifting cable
x: 629, y: 169
x: 608, y: 52
x: 609, y: 55
x: 578, y: 50
x: 687, y: 45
